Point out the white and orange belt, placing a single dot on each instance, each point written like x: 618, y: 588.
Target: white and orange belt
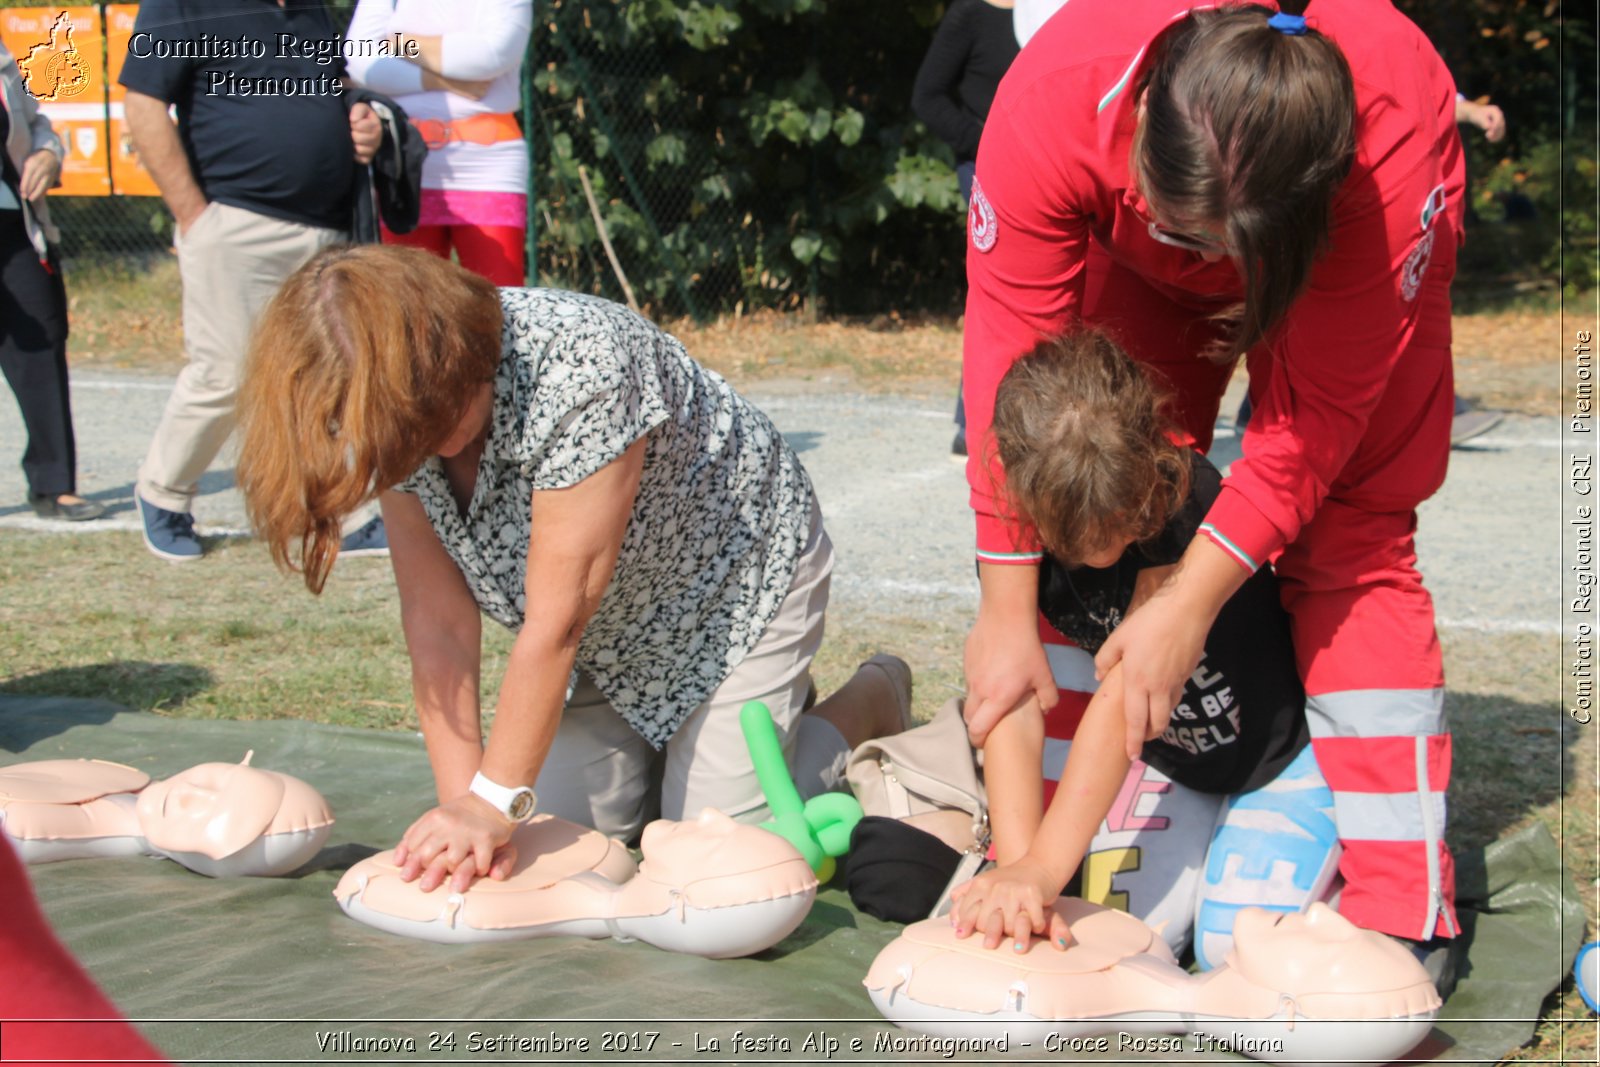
x: 473, y: 129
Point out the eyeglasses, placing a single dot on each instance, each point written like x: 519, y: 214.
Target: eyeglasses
x: 1187, y: 241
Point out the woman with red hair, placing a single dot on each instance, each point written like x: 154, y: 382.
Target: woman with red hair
x: 559, y: 464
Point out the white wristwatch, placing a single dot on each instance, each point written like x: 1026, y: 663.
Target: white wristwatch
x: 515, y: 804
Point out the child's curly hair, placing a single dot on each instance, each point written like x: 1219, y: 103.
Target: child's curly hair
x: 1086, y: 447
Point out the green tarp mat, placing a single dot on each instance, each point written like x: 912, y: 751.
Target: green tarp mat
x: 270, y: 971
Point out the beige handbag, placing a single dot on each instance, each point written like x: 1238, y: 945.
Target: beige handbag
x: 930, y: 778
x: 931, y: 768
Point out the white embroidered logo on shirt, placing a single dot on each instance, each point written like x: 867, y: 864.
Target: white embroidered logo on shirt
x: 981, y: 221
x: 1416, y: 266
x: 1432, y: 206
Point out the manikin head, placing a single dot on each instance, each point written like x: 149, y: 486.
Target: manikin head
x: 709, y: 887
x: 1309, y: 988
x: 711, y: 846
x: 217, y: 810
x: 1317, y: 951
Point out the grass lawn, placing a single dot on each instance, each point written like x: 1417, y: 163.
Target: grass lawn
x: 235, y: 639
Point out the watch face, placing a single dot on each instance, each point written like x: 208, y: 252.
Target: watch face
x: 521, y: 805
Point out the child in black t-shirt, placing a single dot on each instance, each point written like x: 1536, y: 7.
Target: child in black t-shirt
x: 1091, y: 464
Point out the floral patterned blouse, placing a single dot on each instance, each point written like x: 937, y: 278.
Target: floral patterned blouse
x: 723, y: 510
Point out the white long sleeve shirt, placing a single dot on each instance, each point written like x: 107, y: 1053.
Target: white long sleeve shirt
x: 482, y: 40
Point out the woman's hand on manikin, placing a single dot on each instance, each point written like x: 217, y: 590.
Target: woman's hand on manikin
x: 460, y: 840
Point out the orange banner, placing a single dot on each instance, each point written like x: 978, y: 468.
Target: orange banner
x: 128, y: 178
x: 61, y: 53
x: 70, y: 60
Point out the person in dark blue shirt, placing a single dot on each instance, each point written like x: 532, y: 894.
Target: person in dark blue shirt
x: 259, y: 173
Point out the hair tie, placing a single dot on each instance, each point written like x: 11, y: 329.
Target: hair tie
x: 1288, y: 24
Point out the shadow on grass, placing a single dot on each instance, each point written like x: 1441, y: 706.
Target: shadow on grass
x: 37, y: 706
x: 1511, y: 758
x: 134, y: 684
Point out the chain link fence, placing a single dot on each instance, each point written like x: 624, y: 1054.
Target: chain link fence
x: 622, y: 207
x: 698, y: 160
x: 111, y: 227
x: 692, y: 167
x: 658, y: 175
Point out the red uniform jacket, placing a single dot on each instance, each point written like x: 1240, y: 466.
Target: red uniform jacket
x: 1346, y: 390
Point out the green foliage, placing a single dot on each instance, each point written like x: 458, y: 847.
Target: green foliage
x: 743, y: 153
x: 1551, y: 192
x: 762, y: 152
x: 1535, y: 60
x: 1512, y: 51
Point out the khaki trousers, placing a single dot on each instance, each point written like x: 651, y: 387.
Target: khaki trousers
x: 232, y: 262
x: 601, y: 773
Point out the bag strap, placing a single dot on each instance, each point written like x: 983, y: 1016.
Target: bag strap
x: 934, y: 760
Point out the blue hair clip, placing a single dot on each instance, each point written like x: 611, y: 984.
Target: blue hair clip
x: 1287, y: 24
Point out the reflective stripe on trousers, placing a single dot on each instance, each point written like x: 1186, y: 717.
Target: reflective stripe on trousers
x: 1386, y: 756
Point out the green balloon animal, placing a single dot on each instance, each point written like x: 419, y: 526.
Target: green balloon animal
x: 819, y: 827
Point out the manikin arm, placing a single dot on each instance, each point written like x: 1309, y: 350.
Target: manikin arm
x: 1013, y: 900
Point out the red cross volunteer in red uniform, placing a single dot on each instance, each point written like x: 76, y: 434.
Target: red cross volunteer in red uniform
x: 1134, y: 173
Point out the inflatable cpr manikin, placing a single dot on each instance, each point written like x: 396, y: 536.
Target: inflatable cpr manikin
x: 1297, y: 987
x: 220, y: 819
x: 710, y: 887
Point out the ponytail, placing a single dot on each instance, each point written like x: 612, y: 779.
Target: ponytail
x: 1249, y: 118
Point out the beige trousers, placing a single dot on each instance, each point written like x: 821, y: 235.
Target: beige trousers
x: 232, y: 262
x: 601, y: 773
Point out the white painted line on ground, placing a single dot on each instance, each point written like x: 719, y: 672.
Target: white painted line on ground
x: 878, y: 587
x: 846, y: 584
x: 1489, y: 440
x: 1502, y: 626
x: 771, y: 404
x: 942, y: 471
x: 902, y: 588
x: 96, y: 526
x: 103, y: 383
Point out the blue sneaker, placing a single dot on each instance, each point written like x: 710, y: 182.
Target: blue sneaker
x: 369, y: 539
x: 169, y: 534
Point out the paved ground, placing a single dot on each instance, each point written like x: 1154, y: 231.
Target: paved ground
x: 896, y: 503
